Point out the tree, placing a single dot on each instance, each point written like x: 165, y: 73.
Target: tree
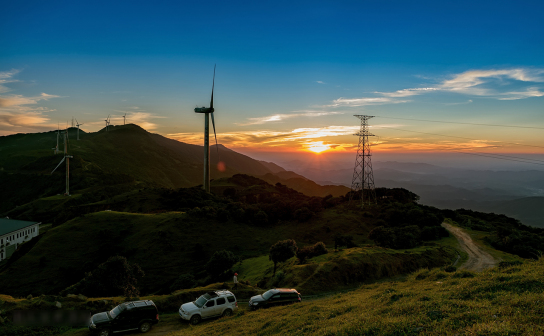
x: 341, y: 240
x: 114, y: 277
x: 282, y: 251
x: 220, y: 262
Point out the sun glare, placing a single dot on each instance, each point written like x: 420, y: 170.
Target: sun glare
x: 317, y: 147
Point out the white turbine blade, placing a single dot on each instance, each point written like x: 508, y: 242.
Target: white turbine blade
x: 61, y: 161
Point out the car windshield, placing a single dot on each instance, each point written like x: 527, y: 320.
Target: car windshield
x: 268, y: 294
x: 116, y: 311
x: 201, y: 301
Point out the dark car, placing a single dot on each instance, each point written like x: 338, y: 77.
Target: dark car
x: 275, y: 297
x: 134, y: 315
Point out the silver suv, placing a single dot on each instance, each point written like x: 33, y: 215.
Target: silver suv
x: 212, y: 304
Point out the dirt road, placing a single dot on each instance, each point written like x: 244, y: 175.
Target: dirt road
x: 478, y: 259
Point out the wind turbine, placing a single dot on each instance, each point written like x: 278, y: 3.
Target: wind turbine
x: 67, y: 158
x: 57, y: 147
x: 78, y: 124
x: 107, y: 122
x: 124, y: 118
x: 207, y: 111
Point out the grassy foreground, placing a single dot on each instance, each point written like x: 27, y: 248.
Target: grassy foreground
x: 507, y: 301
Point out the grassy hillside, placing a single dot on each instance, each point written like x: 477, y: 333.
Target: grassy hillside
x: 183, y: 228
x: 501, y: 301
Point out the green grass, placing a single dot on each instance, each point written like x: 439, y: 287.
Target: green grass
x: 495, y: 302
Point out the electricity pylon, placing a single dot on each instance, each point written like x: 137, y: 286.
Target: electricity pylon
x: 363, y: 177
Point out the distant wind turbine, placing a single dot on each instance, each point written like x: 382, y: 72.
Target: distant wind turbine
x: 107, y: 122
x: 56, y: 149
x: 207, y: 111
x: 78, y: 124
x: 67, y: 159
x: 124, y: 118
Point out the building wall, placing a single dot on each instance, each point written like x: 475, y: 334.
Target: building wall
x: 9, y: 242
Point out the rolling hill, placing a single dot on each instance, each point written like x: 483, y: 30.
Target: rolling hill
x: 125, y: 155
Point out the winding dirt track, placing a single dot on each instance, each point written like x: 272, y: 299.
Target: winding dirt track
x: 478, y: 259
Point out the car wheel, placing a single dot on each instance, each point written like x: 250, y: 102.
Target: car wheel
x: 227, y: 312
x: 144, y: 327
x: 195, y: 319
x: 104, y: 332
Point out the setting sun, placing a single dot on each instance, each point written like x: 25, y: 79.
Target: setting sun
x: 318, y: 147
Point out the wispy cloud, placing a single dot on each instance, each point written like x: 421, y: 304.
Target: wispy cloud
x: 6, y: 77
x: 485, y: 83
x: 354, y: 102
x: 19, y: 113
x: 407, y: 92
x: 320, y: 82
x: 528, y: 93
x: 282, y: 116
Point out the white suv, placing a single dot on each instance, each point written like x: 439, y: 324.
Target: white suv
x: 212, y: 304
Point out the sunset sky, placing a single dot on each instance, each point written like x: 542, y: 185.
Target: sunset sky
x: 290, y: 74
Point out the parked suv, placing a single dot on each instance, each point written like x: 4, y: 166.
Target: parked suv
x: 134, y: 315
x: 212, y: 304
x: 274, y: 297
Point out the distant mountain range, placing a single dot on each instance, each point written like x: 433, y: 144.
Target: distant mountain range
x: 124, y: 153
x: 513, y: 193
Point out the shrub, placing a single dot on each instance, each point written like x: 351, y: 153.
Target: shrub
x: 464, y: 274
x: 311, y: 251
x: 341, y: 240
x: 220, y: 262
x: 114, y: 277
x: 183, y: 281
x: 303, y: 214
x: 450, y: 269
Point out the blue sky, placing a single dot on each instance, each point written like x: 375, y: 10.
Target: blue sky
x: 290, y: 75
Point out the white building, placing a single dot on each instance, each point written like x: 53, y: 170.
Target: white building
x: 14, y: 232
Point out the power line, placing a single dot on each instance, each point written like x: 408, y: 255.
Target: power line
x: 463, y: 123
x: 454, y: 136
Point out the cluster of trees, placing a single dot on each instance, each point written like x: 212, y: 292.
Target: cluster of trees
x: 406, y: 225
x: 114, y: 277
x: 506, y: 234
x: 256, y: 202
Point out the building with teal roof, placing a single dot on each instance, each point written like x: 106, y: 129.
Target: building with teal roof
x: 15, y: 232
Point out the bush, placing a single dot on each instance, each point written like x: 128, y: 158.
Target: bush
x: 311, y: 251
x: 464, y: 274
x: 450, y: 269
x: 220, y: 262
x: 183, y: 281
x: 341, y: 240
x: 113, y: 278
x: 303, y: 214
x: 278, y: 278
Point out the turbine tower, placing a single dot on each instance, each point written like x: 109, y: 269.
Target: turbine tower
x: 67, y: 158
x: 78, y: 124
x: 207, y: 111
x: 363, y: 177
x: 124, y: 118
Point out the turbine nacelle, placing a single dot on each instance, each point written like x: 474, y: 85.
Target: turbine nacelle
x: 204, y: 109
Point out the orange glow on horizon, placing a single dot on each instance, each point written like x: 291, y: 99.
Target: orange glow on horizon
x: 318, y: 147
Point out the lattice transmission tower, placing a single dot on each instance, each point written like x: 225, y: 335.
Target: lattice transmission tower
x: 363, y: 177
